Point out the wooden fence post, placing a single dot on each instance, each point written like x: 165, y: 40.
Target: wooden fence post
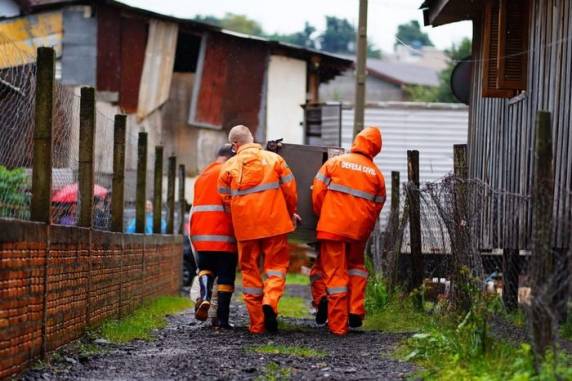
x: 182, y: 202
x: 460, y: 250
x: 171, y: 194
x: 413, y: 193
x: 141, y: 196
x: 40, y: 207
x: 86, y: 152
x: 118, y: 182
x: 158, y: 190
x: 392, y: 247
x: 542, y: 256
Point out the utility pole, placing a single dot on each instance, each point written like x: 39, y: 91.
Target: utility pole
x: 361, y: 75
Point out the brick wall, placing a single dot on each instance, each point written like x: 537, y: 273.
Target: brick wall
x: 57, y: 280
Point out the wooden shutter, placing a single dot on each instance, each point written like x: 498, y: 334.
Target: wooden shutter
x: 513, y: 44
x: 491, y: 52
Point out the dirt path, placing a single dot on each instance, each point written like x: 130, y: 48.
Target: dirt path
x: 188, y: 350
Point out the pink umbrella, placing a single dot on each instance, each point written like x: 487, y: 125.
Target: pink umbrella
x: 69, y: 193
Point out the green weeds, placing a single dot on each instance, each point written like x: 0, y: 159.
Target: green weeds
x: 293, y: 307
x: 287, y: 350
x: 297, y: 279
x: 144, y: 320
x: 274, y: 372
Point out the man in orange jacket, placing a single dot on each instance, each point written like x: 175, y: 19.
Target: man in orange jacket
x: 212, y: 236
x: 347, y: 194
x: 260, y: 190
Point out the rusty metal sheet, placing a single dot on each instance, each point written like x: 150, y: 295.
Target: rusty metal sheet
x: 158, y: 66
x: 108, y: 49
x: 20, y: 37
x: 231, y: 83
x: 133, y: 43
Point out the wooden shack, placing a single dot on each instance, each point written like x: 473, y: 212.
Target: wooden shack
x: 522, y: 63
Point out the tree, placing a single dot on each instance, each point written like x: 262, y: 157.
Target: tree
x: 340, y: 37
x: 443, y: 92
x: 411, y: 34
x: 303, y: 38
x: 234, y: 22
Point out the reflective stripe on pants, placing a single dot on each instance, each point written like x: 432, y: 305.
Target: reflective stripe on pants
x: 276, y: 259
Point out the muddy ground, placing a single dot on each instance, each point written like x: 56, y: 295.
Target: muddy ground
x: 186, y: 349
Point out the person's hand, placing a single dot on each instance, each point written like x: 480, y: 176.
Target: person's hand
x: 296, y: 219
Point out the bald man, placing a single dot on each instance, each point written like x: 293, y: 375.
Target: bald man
x: 260, y: 190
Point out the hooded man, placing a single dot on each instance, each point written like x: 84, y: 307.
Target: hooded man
x: 348, y: 194
x: 260, y: 190
x: 213, y: 239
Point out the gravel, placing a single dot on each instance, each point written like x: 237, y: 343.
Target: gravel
x: 188, y: 350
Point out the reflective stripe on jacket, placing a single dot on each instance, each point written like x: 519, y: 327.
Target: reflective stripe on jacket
x: 349, y: 191
x: 260, y: 190
x: 211, y: 224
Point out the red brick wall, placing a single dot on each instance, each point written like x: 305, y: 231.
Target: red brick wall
x: 89, y: 276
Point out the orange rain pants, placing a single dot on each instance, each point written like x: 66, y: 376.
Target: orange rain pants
x: 344, y: 279
x: 256, y: 292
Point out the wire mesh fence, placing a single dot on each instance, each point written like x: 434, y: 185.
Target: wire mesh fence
x: 17, y: 121
x: 476, y: 237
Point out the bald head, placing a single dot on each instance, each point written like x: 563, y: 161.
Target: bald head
x: 240, y: 135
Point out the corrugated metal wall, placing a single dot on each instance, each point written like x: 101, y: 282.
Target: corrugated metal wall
x: 501, y: 137
x: 432, y: 129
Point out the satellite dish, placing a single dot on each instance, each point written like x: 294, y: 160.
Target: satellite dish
x: 461, y: 80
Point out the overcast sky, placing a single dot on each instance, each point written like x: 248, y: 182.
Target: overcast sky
x: 288, y: 16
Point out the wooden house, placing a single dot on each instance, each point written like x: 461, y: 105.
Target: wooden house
x: 522, y: 63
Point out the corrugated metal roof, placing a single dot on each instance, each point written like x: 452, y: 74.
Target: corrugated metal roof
x: 408, y: 74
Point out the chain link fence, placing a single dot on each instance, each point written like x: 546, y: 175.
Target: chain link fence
x: 17, y: 113
x: 476, y: 237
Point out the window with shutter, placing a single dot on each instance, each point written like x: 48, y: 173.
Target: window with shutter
x: 513, y: 44
x: 491, y: 52
x: 505, y: 47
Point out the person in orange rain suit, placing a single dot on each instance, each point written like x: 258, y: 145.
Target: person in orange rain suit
x: 213, y: 238
x: 348, y: 194
x: 261, y: 192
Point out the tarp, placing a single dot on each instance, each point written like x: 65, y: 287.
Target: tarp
x: 158, y: 67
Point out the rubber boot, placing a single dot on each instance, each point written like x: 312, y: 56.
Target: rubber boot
x: 322, y: 313
x: 223, y: 310
x: 355, y: 321
x: 204, y: 302
x: 270, y: 322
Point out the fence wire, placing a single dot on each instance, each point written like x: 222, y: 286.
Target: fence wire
x: 476, y: 236
x: 17, y: 110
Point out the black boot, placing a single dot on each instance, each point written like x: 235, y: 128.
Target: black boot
x: 355, y: 321
x: 270, y: 322
x: 204, y: 302
x: 223, y: 310
x: 322, y: 313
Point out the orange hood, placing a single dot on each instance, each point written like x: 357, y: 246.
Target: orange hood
x: 368, y: 142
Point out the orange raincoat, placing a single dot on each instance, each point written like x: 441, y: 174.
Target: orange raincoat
x: 260, y: 190
x: 348, y: 194
x: 211, y: 224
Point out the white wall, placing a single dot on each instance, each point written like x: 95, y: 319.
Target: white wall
x: 286, y: 92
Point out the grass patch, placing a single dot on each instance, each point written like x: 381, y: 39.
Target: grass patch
x: 297, y: 279
x: 144, y: 320
x: 293, y: 307
x: 274, y: 372
x: 445, y: 356
x: 287, y: 350
x: 399, y: 317
x: 393, y: 313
